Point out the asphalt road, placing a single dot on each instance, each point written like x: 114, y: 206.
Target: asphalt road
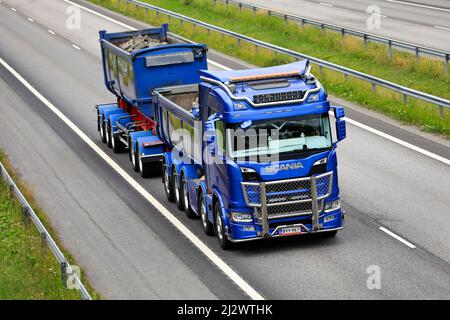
x: 426, y: 23
x: 130, y: 251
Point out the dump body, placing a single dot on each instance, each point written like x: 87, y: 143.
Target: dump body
x: 137, y: 62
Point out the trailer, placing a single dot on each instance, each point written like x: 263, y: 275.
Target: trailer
x: 134, y: 64
x: 250, y: 152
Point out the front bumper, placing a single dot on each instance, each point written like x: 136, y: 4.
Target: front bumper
x: 241, y: 232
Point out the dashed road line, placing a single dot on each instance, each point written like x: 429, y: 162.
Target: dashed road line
x: 409, y: 244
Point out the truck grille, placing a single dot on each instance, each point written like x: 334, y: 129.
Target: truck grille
x: 280, y: 96
x: 286, y: 198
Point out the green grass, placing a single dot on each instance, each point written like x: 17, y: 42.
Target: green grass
x: 425, y: 75
x: 27, y: 272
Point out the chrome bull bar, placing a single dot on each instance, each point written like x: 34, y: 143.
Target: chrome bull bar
x: 299, y: 193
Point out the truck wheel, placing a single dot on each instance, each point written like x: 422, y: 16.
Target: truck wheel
x: 102, y: 130
x: 220, y: 228
x: 117, y: 144
x: 144, y: 168
x: 185, y: 198
x: 176, y: 188
x: 208, y: 227
x: 134, y: 161
x: 168, y: 187
x: 108, y: 132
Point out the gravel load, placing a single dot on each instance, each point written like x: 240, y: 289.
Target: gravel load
x: 140, y: 42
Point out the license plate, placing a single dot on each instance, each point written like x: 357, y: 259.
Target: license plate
x: 287, y: 231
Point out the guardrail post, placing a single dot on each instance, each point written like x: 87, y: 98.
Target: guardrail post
x: 238, y: 42
x: 64, y: 273
x: 12, y: 194
x: 446, y: 58
x: 343, y: 38
x: 441, y: 111
x: 321, y: 70
x: 240, y: 7
x: 285, y: 18
x: 417, y: 54
x: 390, y: 49
x: 346, y: 76
x: 374, y: 88
x: 44, y: 243
x: 269, y: 13
x: 26, y: 216
x: 405, y: 98
x: 365, y: 41
x: 254, y: 10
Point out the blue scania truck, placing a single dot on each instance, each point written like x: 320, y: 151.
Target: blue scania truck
x: 250, y: 152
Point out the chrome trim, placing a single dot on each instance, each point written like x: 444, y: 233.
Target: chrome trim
x: 264, y: 214
x: 152, y: 155
x: 258, y: 105
x: 314, y: 209
x: 285, y: 226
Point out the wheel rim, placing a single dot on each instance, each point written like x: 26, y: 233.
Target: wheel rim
x: 177, y: 191
x: 219, y: 226
x: 185, y: 194
x: 107, y: 134
x: 133, y: 158
x: 203, y: 214
x: 166, y: 179
x: 102, y: 131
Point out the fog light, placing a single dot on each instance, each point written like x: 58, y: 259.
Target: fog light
x: 329, y: 218
x: 248, y: 228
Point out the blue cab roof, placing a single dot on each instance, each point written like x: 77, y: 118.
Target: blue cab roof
x: 228, y: 76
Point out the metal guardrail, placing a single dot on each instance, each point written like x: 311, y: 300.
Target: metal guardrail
x: 46, y: 238
x: 365, y: 36
x: 405, y: 91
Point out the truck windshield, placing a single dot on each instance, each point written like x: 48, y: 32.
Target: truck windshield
x: 284, y: 138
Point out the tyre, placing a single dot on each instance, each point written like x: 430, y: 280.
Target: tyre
x: 101, y: 125
x: 167, y: 181
x: 144, y: 168
x: 117, y: 144
x: 134, y: 160
x: 208, y: 227
x: 220, y: 228
x: 185, y: 198
x: 108, y: 133
x: 177, y: 189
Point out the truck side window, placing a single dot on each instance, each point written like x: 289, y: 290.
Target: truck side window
x: 213, y: 105
x: 220, y: 136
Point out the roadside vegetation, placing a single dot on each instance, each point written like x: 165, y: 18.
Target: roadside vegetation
x: 425, y: 74
x: 26, y: 271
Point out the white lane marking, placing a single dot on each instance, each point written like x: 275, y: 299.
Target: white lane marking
x: 400, y: 142
x: 409, y: 244
x: 419, y: 5
x: 76, y: 47
x: 51, y: 32
x: 227, y: 270
x: 14, y: 9
x: 31, y: 20
x: 356, y: 123
x: 443, y: 28
x: 325, y: 4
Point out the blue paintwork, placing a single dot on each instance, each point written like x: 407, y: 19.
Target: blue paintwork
x: 134, y: 81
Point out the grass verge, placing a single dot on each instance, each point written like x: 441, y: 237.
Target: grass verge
x: 425, y: 75
x: 26, y: 271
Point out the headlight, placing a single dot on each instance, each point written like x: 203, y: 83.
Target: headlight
x: 321, y: 161
x: 240, y: 106
x: 331, y: 206
x: 314, y: 97
x: 241, y: 217
x: 247, y: 170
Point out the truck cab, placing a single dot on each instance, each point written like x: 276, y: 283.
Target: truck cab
x: 257, y: 156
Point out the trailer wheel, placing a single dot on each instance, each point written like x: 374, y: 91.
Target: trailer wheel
x: 168, y: 187
x: 117, y: 144
x: 220, y: 228
x: 208, y: 227
x: 134, y: 160
x: 144, y: 168
x: 102, y: 130
x: 185, y: 198
x: 108, y: 132
x: 177, y: 189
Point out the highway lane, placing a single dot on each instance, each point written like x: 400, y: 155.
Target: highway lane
x: 291, y: 268
x: 425, y: 23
